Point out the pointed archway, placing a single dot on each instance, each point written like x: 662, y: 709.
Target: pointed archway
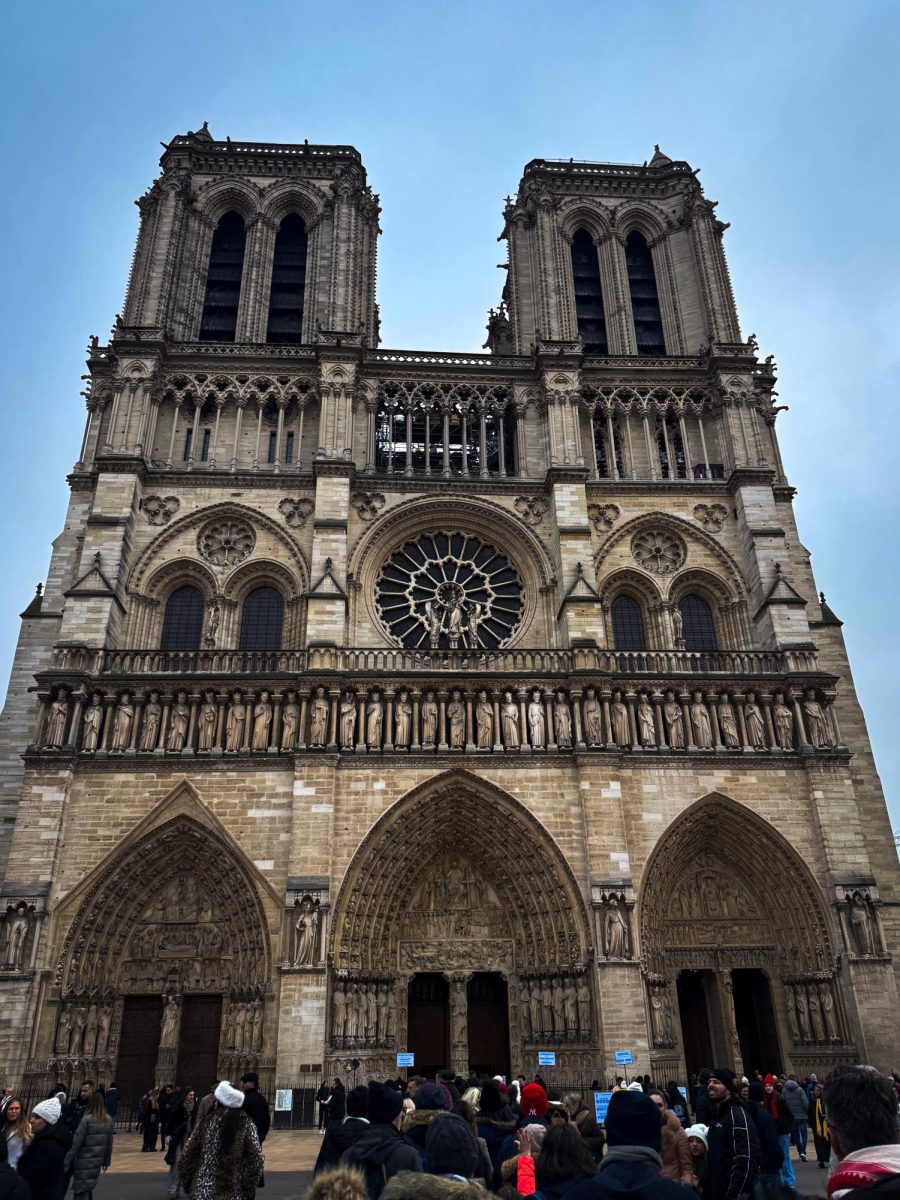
x: 459, y: 879
x: 737, y: 948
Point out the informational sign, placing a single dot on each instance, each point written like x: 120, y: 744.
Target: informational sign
x: 546, y: 1058
x: 284, y: 1100
x: 623, y: 1058
x: 406, y: 1060
x: 601, y: 1104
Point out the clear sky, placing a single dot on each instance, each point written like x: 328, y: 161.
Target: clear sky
x: 790, y: 109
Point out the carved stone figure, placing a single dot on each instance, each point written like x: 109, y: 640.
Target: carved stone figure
x: 674, y: 722
x: 509, y: 719
x: 816, y: 723
x: 168, y: 1038
x: 90, y: 1031
x: 374, y: 720
x: 402, y: 720
x: 305, y: 931
x: 458, y: 1014
x: 802, y: 1013
x: 338, y: 1013
x: 207, y: 722
x: 678, y: 625
x: 212, y: 623
x: 475, y: 612
x: 262, y: 722
x: 656, y: 1017
x: 790, y: 1005
x: 433, y: 623
x: 234, y: 726
x: 536, y: 723
x: 318, y: 719
x: 56, y: 722
x: 371, y: 1010
x: 347, y: 710
x: 562, y: 720
x: 546, y: 1007
x: 784, y: 722
x: 728, y: 723
x: 701, y: 723
x: 93, y: 722
x: 381, y: 1022
x: 63, y: 1030
x: 826, y: 1000
x: 456, y: 716
x: 239, y: 1026
x: 16, y: 936
x: 76, y: 1043
x: 593, y: 719
x: 290, y: 721
x: 178, y: 725
x: 429, y: 720
x: 583, y: 995
x: 668, y: 1020
x: 484, y: 722
x: 646, y: 726
x: 558, y: 1005
x: 861, y: 925
x: 150, y: 725
x: 570, y: 1008
x: 619, y: 717
x: 756, y: 728
x: 353, y: 1013
x: 815, y: 1015
x: 615, y: 930
x: 122, y: 724
x: 534, y: 1006
x: 256, y: 1042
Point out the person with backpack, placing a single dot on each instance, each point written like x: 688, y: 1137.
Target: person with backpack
x: 381, y: 1151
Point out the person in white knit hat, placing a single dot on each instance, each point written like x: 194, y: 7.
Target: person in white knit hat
x: 42, y: 1163
x: 698, y: 1143
x: 222, y: 1159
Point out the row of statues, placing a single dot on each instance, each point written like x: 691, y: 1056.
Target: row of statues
x: 362, y: 1014
x: 406, y: 719
x: 83, y: 1030
x: 811, y: 1012
x: 555, y: 1008
x: 242, y: 1032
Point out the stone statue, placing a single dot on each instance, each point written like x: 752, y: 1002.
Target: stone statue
x: 381, y: 1023
x: 93, y: 722
x: 756, y: 728
x: 815, y: 1015
x: 374, y: 720
x: 353, y: 1013
x: 562, y: 720
x: 615, y: 930
x: 701, y: 723
x: 816, y: 723
x: 583, y: 994
x: 262, y: 723
x: 234, y: 726
x: 674, y: 722
x: 861, y: 926
x: 338, y: 1013
x: 728, y: 723
x: 402, y: 720
x: 534, y: 1005
x: 390, y: 1027
x: 536, y: 723
x: 476, y: 613
x: 668, y: 1020
x: 791, y: 1007
x: 802, y: 1013
x: 371, y: 1010
x: 305, y: 932
x: 429, y: 720
x: 168, y: 1038
x: 454, y: 620
x: 784, y: 722
x: 433, y: 623
x: 458, y: 1013
x: 178, y: 726
x: 678, y: 625
x: 570, y: 1008
x: 558, y: 1005
x: 318, y: 720
x: 56, y: 722
x: 123, y: 723
x: 207, y: 726
x: 212, y: 623
x: 63, y: 1030
x: 593, y: 720
x: 525, y: 1009
x: 150, y: 725
x: 656, y: 1017
x: 509, y: 719
x: 348, y: 720
x: 826, y: 1000
x: 619, y: 715
x: 290, y: 722
x: 646, y: 726
x: 76, y: 1043
x: 239, y: 1026
x: 16, y: 937
x: 456, y: 715
x: 90, y: 1031
x: 256, y: 1042
x: 546, y: 1007
x: 484, y: 722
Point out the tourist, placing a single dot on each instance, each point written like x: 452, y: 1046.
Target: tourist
x: 704, y: 1109
x: 532, y: 1110
x: 676, y: 1102
x: 778, y: 1110
x: 563, y: 1163
x: 12, y: 1186
x: 485, y: 1171
x: 381, y: 1150
x: 74, y: 1110
x: 862, y: 1127
x: 337, y: 1183
x: 323, y: 1095
x: 5, y: 1098
x: 409, y: 1099
x: 798, y: 1106
x: 42, y: 1162
x: 17, y: 1130
x: 632, y: 1164
x: 165, y: 1102
x: 182, y: 1119
x: 451, y: 1149
x: 206, y: 1105
x: 151, y: 1120
x: 256, y: 1106
x: 518, y: 1172
x: 676, y: 1154
x: 585, y: 1120
x: 429, y: 1105
x: 771, y: 1147
x: 339, y: 1138
x: 222, y: 1159
x: 111, y: 1100
x: 733, y: 1140
x: 495, y: 1122
x: 819, y: 1126
x: 697, y: 1144
x: 91, y: 1149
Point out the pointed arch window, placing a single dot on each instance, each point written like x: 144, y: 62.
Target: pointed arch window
x: 262, y: 620
x: 670, y: 447
x: 648, y: 328
x: 223, y: 280
x: 699, y: 627
x: 288, y: 282
x: 588, y: 294
x: 603, y: 451
x: 183, y: 621
x: 628, y: 624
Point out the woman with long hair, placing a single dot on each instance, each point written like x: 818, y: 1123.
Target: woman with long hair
x: 151, y: 1120
x: 17, y: 1130
x: 181, y: 1126
x: 563, y: 1163
x: 91, y: 1150
x: 222, y: 1159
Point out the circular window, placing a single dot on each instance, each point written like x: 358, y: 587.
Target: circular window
x: 658, y: 551
x: 226, y: 543
x: 449, y: 591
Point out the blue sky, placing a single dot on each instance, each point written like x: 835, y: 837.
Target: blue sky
x: 789, y: 109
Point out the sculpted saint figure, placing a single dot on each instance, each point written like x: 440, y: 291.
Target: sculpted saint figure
x: 583, y: 993
x: 827, y: 1002
x: 353, y: 1013
x: 178, y: 726
x: 558, y: 1003
x: 816, y: 724
x: 815, y: 1015
x: 262, y: 722
x: 861, y: 926
x: 756, y: 728
x: 456, y: 714
x: 429, y: 720
x: 791, y: 1012
x: 646, y: 727
x: 615, y: 931
x: 475, y: 612
x: 454, y: 618
x: 56, y: 722
x: 371, y: 1010
x: 674, y: 722
x: 484, y: 721
x: 802, y: 1014
x: 619, y: 714
x: 318, y: 720
x: 593, y: 721
x: 208, y: 717
x: 458, y: 1013
x: 656, y: 1017
x: 570, y: 1008
x: 433, y: 623
x: 169, y: 1030
x: 727, y: 723
x: 562, y: 720
x: 63, y: 1030
x: 536, y: 724
x: 16, y: 936
x: 784, y: 722
x: 123, y: 724
x: 381, y: 1015
x: 546, y: 1007
x: 678, y: 624
x: 339, y: 1013
x: 509, y: 718
x: 93, y: 721
x: 374, y: 719
x: 290, y: 722
x: 525, y: 1008
x: 402, y: 720
x: 234, y: 726
x: 348, y: 719
x: 701, y: 723
x: 150, y: 727
x: 534, y: 1005
x: 305, y: 933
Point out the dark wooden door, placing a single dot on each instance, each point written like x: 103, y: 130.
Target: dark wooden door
x: 695, y: 1036
x: 488, y: 1021
x: 429, y: 1023
x: 138, y: 1047
x: 198, y: 1043
x: 755, y: 1019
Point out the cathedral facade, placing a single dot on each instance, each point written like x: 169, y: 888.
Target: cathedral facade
x: 468, y: 705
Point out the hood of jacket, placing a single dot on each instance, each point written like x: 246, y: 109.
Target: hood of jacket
x: 376, y: 1144
x: 57, y: 1134
x: 422, y: 1116
x: 873, y: 1166
x: 411, y: 1185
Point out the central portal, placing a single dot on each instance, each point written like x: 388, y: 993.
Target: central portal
x: 488, y: 1024
x: 429, y: 1022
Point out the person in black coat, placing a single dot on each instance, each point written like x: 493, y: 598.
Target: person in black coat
x: 256, y: 1106
x: 771, y: 1153
x: 381, y: 1151
x: 12, y: 1186
x: 42, y: 1163
x: 340, y: 1137
x: 734, y: 1154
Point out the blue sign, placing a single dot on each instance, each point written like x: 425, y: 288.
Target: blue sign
x: 601, y: 1104
x: 546, y: 1058
x: 406, y: 1060
x: 623, y: 1058
x: 684, y: 1093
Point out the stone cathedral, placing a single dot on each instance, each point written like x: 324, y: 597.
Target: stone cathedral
x: 467, y: 704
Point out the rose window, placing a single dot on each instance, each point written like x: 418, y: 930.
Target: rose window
x: 226, y: 543
x: 449, y: 591
x: 658, y: 551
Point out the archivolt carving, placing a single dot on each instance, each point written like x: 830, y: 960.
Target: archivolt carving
x: 413, y: 871
x: 178, y: 572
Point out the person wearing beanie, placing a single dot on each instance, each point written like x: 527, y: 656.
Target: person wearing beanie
x: 429, y: 1105
x: 777, y: 1109
x: 534, y: 1101
x: 256, y: 1106
x: 451, y: 1149
x: 42, y: 1162
x: 339, y: 1138
x: 495, y: 1121
x: 734, y: 1154
x: 704, y: 1109
x: 771, y: 1151
x: 222, y: 1157
x: 699, y: 1147
x: 632, y: 1164
x: 532, y: 1110
x: 381, y: 1151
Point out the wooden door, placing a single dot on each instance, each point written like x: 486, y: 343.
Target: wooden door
x: 488, y: 1022
x: 138, y: 1047
x: 429, y: 1023
x: 198, y: 1043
